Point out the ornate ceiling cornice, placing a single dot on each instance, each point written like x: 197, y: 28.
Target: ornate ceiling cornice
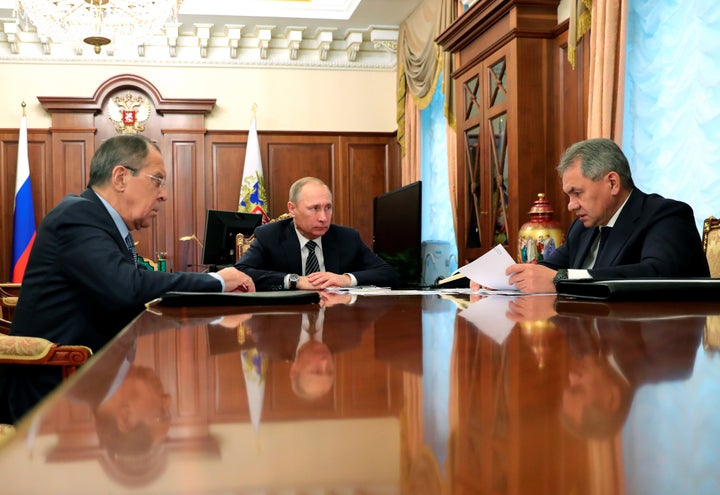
x: 371, y: 48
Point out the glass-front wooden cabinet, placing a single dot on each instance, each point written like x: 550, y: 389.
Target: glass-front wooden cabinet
x: 503, y: 53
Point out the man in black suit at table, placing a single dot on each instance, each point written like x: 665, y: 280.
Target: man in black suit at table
x: 82, y: 283
x: 620, y: 232
x: 308, y: 252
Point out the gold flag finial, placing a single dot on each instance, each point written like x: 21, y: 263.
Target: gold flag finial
x: 254, y: 109
x: 23, y: 105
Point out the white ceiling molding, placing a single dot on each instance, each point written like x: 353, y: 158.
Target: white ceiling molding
x: 212, y: 44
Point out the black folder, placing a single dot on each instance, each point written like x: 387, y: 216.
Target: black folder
x: 238, y: 298
x: 646, y: 289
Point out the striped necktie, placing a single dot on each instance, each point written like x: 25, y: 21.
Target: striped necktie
x: 131, y: 247
x: 311, y: 264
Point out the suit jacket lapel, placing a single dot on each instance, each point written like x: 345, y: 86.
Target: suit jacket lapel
x: 291, y: 247
x: 623, y: 229
x: 585, y: 242
x: 330, y: 252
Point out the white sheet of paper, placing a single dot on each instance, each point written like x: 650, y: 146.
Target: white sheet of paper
x: 488, y: 315
x: 489, y: 269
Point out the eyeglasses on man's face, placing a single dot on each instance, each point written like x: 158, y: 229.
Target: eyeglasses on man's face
x: 160, y: 181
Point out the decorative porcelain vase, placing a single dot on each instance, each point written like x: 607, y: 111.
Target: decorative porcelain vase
x: 539, y: 237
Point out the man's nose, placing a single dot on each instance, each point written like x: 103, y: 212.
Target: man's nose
x: 572, y: 205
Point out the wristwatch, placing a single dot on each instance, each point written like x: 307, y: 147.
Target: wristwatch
x: 293, y: 279
x: 562, y: 274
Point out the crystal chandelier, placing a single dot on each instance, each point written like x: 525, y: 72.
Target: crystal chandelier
x: 98, y: 22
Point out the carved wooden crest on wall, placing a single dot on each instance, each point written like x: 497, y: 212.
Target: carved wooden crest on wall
x: 129, y: 113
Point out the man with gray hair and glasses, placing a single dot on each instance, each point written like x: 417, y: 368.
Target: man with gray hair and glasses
x: 82, y: 282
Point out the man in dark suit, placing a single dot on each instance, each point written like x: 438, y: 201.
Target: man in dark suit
x: 620, y: 231
x: 82, y: 283
x: 309, y: 252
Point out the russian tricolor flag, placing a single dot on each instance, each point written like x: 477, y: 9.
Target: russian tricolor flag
x: 24, y: 213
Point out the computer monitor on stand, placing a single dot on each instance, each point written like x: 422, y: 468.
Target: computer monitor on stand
x: 221, y: 228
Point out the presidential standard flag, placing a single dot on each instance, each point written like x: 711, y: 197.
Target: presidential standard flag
x: 23, y: 213
x: 253, y: 198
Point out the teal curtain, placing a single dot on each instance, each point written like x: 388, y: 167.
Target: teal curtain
x: 437, y: 222
x: 672, y: 101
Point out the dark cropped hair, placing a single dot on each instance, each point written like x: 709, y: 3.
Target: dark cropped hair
x: 127, y: 149
x: 598, y: 157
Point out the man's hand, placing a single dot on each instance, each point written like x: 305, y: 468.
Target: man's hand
x: 531, y: 308
x: 236, y: 281
x: 323, y: 280
x: 531, y: 278
x: 328, y: 299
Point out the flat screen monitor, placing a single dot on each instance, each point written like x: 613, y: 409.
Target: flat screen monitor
x: 221, y: 227
x: 397, y: 224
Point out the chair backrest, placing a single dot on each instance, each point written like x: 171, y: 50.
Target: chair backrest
x: 711, y: 244
x: 243, y: 242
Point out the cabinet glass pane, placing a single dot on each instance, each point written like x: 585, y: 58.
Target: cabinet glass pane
x: 497, y: 78
x: 472, y: 157
x: 499, y: 163
x: 472, y: 98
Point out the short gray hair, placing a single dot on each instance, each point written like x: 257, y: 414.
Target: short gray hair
x: 128, y: 149
x: 598, y: 157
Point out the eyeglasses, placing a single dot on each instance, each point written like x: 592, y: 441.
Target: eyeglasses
x: 160, y: 181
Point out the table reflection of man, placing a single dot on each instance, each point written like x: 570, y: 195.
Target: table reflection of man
x: 613, y: 350
x: 134, y: 417
x: 307, y: 338
x: 611, y: 358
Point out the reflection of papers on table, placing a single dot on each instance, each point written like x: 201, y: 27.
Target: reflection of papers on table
x: 489, y: 269
x: 488, y: 315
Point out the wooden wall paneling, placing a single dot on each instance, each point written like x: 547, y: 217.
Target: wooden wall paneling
x: 39, y: 159
x: 366, y: 164
x: 69, y: 170
x: 533, y: 151
x: 184, y: 212
x: 570, y: 108
x: 8, y: 165
x: 291, y: 157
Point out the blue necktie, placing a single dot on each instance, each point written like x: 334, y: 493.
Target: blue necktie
x: 131, y: 247
x: 311, y: 264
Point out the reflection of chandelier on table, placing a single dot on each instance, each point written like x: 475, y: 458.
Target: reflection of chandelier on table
x: 98, y: 22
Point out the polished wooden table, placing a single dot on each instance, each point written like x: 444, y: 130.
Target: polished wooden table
x: 413, y: 394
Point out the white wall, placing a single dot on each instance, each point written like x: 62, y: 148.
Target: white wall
x: 287, y: 99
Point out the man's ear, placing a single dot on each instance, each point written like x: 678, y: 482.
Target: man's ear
x: 119, y: 177
x: 614, y: 181
x: 291, y: 208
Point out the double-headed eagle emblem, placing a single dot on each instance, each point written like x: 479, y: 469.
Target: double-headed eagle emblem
x: 128, y: 113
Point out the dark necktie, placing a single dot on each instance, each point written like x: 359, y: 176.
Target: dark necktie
x: 604, y: 233
x: 131, y: 247
x: 311, y: 264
